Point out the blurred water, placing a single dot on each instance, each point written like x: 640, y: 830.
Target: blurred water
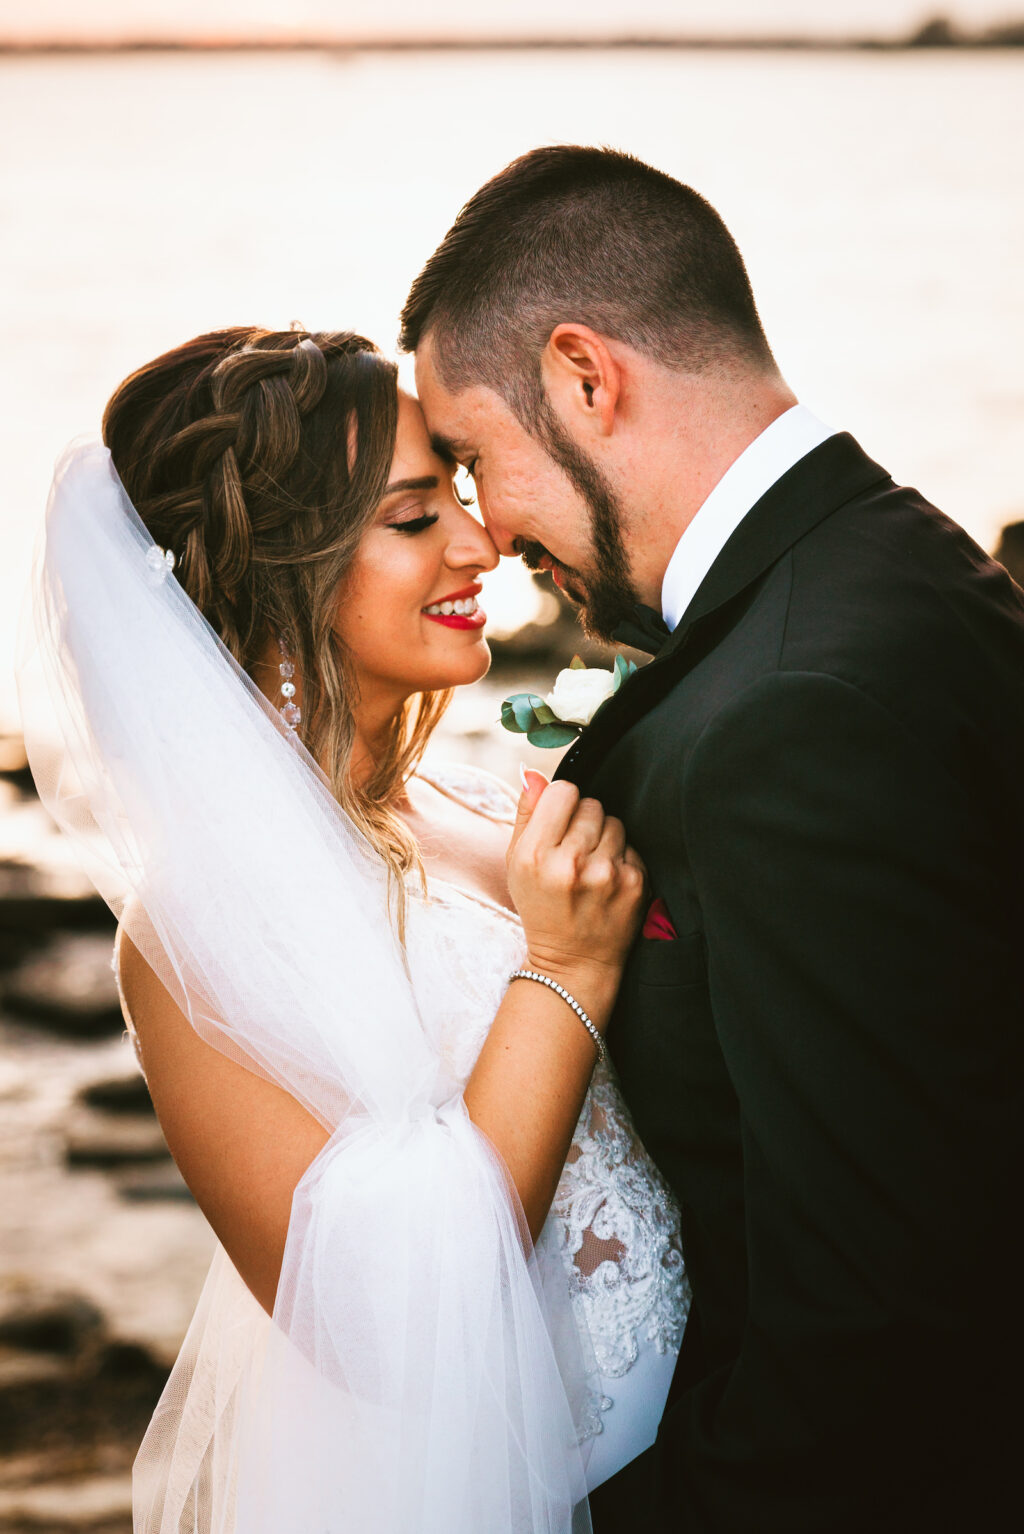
x: 878, y: 200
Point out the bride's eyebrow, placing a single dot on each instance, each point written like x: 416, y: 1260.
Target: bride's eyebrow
x: 425, y: 482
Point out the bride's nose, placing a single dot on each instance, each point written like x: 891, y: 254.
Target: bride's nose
x: 470, y: 544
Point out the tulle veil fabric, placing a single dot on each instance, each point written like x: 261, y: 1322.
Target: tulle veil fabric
x: 421, y: 1371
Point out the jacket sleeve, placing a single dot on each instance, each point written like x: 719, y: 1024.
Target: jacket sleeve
x: 862, y: 987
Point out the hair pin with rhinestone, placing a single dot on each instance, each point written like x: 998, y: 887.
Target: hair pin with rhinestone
x: 159, y: 560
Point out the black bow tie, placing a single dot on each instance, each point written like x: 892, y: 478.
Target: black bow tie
x: 643, y: 629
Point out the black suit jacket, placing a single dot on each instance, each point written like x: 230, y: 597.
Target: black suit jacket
x: 824, y: 771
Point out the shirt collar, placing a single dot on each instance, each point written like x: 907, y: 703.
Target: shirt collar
x: 790, y: 437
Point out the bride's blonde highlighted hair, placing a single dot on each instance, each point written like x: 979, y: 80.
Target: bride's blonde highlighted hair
x: 260, y: 458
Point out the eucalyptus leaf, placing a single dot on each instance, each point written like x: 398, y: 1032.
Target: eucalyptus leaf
x: 522, y: 707
x: 624, y: 669
x: 553, y: 735
x: 508, y: 718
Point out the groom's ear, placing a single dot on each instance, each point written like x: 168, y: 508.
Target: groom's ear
x: 582, y: 379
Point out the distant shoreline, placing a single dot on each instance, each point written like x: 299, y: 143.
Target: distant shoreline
x: 936, y: 35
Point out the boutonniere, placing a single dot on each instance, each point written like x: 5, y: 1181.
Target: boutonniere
x: 578, y: 693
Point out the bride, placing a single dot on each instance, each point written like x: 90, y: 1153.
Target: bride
x: 447, y: 1291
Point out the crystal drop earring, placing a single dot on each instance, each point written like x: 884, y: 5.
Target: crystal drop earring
x: 289, y: 710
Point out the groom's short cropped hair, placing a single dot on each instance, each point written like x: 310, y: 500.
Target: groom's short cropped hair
x: 570, y: 233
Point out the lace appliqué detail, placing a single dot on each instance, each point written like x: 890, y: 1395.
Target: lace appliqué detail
x: 619, y: 1228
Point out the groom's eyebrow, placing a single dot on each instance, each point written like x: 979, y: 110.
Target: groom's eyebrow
x: 425, y: 482
x: 450, y: 452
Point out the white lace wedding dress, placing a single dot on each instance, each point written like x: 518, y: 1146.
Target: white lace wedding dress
x: 613, y: 1223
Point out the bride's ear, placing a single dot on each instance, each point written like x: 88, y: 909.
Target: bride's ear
x: 582, y: 379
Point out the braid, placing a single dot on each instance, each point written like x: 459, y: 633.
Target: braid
x: 309, y: 374
x: 239, y: 438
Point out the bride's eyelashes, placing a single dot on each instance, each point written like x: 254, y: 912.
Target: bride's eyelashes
x: 415, y: 524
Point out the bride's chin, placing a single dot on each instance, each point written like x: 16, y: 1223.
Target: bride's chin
x: 470, y: 667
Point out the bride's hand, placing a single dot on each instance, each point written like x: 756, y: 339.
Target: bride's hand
x: 577, y: 886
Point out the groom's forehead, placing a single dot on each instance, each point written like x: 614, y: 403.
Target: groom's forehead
x: 439, y: 406
x: 455, y: 420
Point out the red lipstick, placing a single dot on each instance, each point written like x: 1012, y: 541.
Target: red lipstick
x: 470, y: 617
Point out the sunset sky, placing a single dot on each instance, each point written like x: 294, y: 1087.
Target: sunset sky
x: 354, y: 18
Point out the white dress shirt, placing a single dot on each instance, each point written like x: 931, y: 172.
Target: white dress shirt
x: 790, y: 437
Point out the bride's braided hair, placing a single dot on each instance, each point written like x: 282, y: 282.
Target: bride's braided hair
x: 260, y: 458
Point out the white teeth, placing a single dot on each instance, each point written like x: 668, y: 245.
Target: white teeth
x: 463, y: 607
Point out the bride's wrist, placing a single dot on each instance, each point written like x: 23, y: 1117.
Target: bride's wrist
x: 594, y: 983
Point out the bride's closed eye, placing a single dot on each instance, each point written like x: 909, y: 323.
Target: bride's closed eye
x: 415, y: 524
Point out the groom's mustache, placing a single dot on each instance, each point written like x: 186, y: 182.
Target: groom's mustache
x: 570, y: 582
x: 532, y: 553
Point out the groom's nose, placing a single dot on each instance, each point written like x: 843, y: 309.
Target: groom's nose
x: 505, y: 542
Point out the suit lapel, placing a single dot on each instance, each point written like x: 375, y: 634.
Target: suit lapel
x: 828, y: 477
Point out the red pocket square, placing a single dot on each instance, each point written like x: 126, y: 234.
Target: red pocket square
x: 658, y: 923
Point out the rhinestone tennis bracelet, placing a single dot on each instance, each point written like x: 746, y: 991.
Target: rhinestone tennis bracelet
x: 559, y: 990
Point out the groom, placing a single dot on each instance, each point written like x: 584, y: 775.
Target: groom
x: 823, y: 769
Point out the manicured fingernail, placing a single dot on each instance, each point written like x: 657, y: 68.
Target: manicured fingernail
x: 524, y: 780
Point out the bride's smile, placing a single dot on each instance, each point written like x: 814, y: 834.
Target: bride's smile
x: 458, y: 610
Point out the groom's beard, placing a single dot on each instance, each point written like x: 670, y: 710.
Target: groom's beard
x: 605, y: 594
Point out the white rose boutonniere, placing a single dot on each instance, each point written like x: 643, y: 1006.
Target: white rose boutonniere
x: 578, y: 693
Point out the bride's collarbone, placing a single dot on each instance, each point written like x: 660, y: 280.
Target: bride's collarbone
x: 457, y: 844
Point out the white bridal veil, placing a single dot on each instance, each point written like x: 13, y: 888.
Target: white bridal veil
x: 418, y: 1375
